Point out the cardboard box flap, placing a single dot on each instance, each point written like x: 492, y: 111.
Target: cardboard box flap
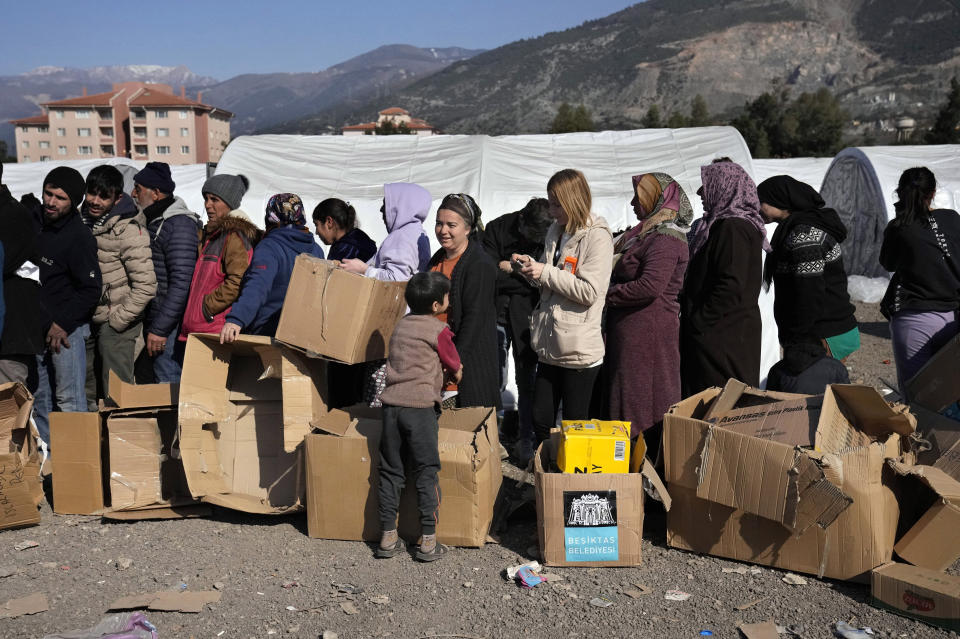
x: 937, y: 385
x: 123, y: 395
x: 16, y: 403
x: 736, y: 394
x: 945, y: 486
x: 936, y: 435
x: 656, y: 484
x: 766, y: 478
x: 854, y: 415
x: 792, y: 421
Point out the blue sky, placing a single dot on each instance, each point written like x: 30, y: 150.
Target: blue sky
x: 224, y: 38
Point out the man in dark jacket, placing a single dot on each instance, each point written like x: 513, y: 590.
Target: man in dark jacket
x: 70, y: 287
x: 25, y: 324
x: 174, y: 240
x: 521, y: 232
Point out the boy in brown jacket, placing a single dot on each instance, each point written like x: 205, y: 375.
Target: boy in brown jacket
x: 421, y: 349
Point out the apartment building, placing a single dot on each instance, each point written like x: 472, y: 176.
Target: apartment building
x: 138, y: 120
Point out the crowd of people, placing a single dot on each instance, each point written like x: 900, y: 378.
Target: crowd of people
x: 601, y: 324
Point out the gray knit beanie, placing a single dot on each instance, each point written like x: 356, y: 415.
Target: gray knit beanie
x: 229, y: 188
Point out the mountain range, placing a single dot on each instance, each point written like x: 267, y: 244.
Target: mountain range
x: 882, y: 58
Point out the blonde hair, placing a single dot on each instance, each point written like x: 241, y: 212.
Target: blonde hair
x: 572, y: 192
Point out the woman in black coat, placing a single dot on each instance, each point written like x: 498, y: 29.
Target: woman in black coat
x: 472, y: 315
x: 719, y: 315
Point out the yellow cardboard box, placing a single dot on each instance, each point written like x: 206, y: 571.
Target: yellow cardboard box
x: 591, y: 446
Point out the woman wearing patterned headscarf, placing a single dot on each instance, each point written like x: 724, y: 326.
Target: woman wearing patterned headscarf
x: 719, y: 316
x: 643, y: 308
x: 257, y: 310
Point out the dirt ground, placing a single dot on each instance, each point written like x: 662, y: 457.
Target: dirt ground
x: 275, y: 581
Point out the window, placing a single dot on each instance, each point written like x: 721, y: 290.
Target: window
x: 162, y: 133
x: 140, y: 131
x: 43, y: 129
x: 44, y: 144
x: 138, y: 114
x: 44, y: 158
x: 106, y: 131
x: 85, y: 150
x: 83, y: 133
x: 163, y: 150
x: 106, y: 149
x: 25, y: 145
x: 183, y: 114
x: 161, y: 114
x: 83, y: 114
x: 184, y: 132
x: 61, y: 133
x: 185, y: 149
x: 58, y: 113
x: 105, y: 114
x: 140, y: 149
x: 24, y: 129
x: 62, y: 150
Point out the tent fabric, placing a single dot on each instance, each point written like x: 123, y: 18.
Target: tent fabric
x: 502, y: 173
x: 861, y: 185
x: 807, y: 170
x: 22, y: 178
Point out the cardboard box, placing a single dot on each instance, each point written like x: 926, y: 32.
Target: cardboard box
x: 331, y: 313
x: 122, y: 462
x: 937, y: 440
x: 736, y: 496
x: 21, y: 489
x: 930, y: 509
x: 342, y: 477
x: 937, y: 385
x: 244, y: 410
x: 590, y: 519
x: 919, y: 593
x: 594, y: 447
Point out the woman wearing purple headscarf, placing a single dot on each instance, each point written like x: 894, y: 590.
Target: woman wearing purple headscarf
x: 719, y: 315
x: 265, y: 283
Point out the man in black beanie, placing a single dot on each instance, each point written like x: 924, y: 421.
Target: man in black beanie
x: 70, y: 288
x: 174, y: 241
x: 24, y: 326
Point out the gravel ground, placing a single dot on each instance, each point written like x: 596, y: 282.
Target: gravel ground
x: 275, y: 581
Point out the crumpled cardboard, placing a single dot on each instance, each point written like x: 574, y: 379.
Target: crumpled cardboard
x: 168, y: 600
x: 21, y: 489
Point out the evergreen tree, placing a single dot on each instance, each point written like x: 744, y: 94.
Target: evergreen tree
x: 652, y: 119
x: 811, y: 125
x: 699, y: 113
x: 946, y: 129
x: 677, y: 120
x: 571, y: 120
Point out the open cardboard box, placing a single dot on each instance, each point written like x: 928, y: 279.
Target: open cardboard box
x: 937, y: 385
x: 244, y: 410
x: 930, y: 511
x: 21, y: 489
x: 592, y: 519
x: 828, y: 511
x: 342, y: 477
x: 123, y: 461
x: 331, y: 313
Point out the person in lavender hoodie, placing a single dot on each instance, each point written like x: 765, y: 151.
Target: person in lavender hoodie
x: 405, y: 251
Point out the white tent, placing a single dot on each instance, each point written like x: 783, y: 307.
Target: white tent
x: 861, y: 183
x: 502, y: 173
x: 27, y: 177
x: 807, y: 170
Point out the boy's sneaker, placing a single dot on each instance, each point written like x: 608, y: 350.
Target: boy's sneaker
x: 438, y: 551
x: 390, y: 551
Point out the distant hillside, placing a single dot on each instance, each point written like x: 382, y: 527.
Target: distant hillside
x: 262, y: 100
x: 882, y: 58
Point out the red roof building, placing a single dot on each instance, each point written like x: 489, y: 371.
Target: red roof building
x: 142, y: 121
x: 395, y: 116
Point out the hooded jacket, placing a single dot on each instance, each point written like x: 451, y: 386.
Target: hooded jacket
x: 70, y: 282
x: 406, y: 249
x: 25, y: 321
x: 565, y: 325
x: 174, y: 236
x: 224, y: 257
x: 126, y: 264
x: 265, y: 283
x: 355, y: 244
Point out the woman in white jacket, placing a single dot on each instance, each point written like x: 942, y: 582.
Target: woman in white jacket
x: 565, y: 326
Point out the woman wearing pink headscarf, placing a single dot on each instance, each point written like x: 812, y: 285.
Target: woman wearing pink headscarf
x: 719, y: 314
x: 643, y: 308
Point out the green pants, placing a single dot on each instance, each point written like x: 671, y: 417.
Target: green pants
x: 109, y: 350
